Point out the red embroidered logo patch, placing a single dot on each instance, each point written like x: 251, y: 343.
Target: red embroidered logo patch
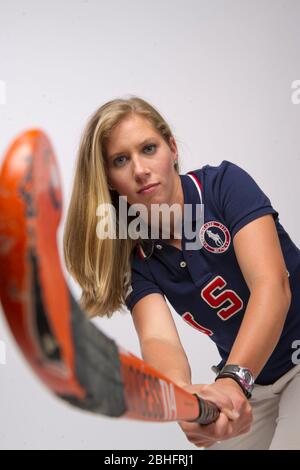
x: 215, y: 237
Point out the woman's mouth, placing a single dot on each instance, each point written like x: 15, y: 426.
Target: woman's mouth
x: 149, y: 189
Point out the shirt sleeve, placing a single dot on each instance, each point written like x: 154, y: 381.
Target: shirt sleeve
x: 240, y: 198
x: 142, y: 283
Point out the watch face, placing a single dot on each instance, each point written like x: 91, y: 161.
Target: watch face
x: 248, y: 376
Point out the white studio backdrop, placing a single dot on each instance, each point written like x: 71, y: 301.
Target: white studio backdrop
x: 221, y: 72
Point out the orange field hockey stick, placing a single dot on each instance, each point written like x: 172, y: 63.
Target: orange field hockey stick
x: 70, y: 355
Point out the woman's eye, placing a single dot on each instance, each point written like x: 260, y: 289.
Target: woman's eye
x: 149, y: 146
x: 117, y: 160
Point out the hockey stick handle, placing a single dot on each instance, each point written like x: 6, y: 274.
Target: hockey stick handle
x: 151, y: 396
x: 208, y: 412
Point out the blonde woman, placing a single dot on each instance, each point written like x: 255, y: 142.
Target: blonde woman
x: 224, y: 262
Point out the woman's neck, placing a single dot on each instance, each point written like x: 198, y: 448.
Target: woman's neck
x: 175, y: 219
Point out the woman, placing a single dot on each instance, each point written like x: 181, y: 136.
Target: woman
x: 240, y: 285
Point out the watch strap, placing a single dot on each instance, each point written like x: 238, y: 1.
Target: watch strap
x: 225, y: 375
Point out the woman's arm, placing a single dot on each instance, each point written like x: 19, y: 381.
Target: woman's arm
x: 159, y: 340
x: 161, y: 347
x: 168, y: 358
x: 260, y: 258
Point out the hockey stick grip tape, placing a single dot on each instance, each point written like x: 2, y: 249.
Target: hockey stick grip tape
x: 208, y: 412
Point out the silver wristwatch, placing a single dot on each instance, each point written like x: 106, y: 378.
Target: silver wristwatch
x: 241, y: 375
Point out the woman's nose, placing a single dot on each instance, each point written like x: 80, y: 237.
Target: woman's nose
x: 140, y: 168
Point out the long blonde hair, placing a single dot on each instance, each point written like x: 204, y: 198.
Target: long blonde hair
x: 101, y: 266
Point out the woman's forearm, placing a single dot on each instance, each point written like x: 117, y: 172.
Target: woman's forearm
x: 261, y: 327
x: 168, y: 359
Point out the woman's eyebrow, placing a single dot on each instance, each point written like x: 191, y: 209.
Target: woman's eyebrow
x: 139, y: 145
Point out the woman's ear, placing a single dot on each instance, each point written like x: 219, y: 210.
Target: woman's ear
x: 173, y: 146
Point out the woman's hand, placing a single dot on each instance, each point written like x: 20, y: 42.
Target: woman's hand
x: 235, y: 413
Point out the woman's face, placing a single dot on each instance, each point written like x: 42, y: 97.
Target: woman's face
x: 138, y: 156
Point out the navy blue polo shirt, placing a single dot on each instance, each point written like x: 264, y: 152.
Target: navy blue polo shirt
x: 206, y: 286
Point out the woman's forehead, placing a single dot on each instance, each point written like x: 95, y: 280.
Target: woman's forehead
x: 130, y: 133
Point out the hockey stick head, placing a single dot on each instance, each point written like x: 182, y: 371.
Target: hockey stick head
x: 30, y: 211
x: 52, y: 332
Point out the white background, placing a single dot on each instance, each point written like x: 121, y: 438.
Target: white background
x: 220, y: 72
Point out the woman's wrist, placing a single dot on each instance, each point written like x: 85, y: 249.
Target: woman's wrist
x: 228, y: 381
